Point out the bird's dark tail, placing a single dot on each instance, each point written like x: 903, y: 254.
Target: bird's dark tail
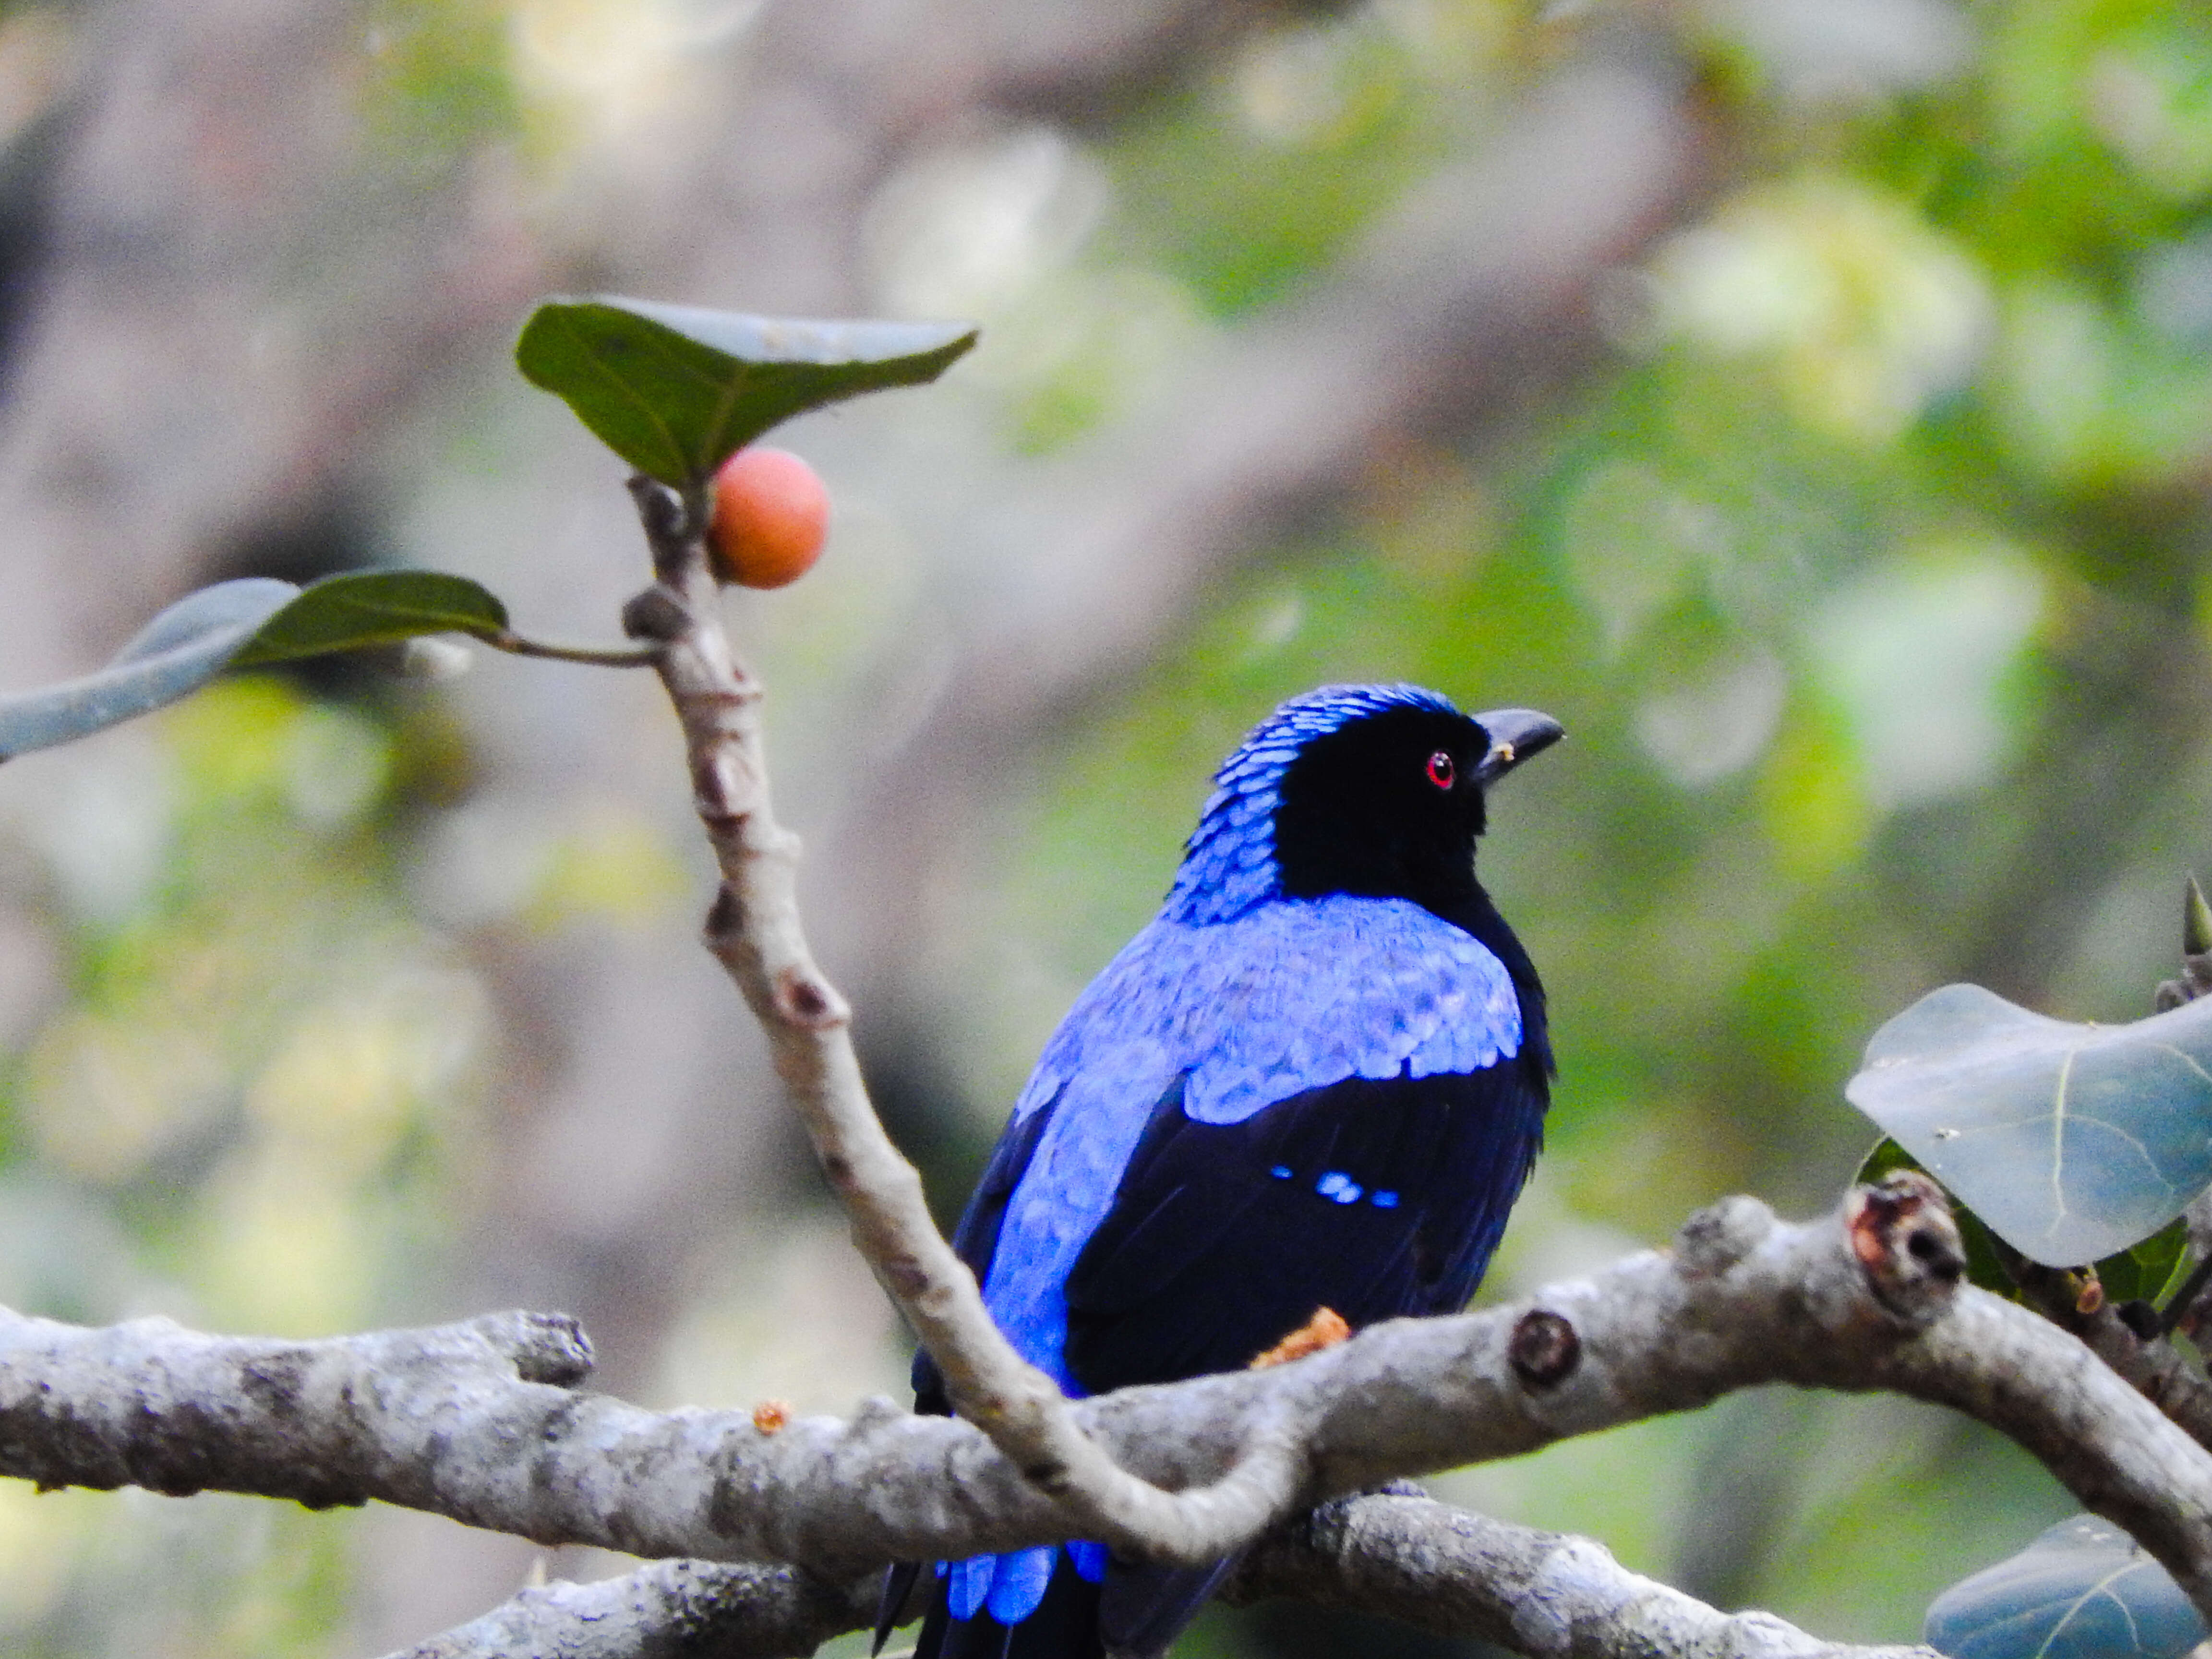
x: 898, y: 1584
x: 1137, y: 1611
x: 1143, y: 1608
x: 1064, y: 1626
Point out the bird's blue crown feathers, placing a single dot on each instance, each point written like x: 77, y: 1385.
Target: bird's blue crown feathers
x: 1229, y: 863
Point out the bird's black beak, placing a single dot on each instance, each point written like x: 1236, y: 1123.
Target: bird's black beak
x: 1514, y: 734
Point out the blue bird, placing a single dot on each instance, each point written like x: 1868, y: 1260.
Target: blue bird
x: 1317, y: 1079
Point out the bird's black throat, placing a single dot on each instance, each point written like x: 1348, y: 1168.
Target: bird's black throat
x: 1360, y: 814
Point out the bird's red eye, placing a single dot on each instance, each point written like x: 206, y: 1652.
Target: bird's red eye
x: 1442, y: 772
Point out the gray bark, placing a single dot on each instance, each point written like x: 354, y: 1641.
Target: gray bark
x: 477, y: 1422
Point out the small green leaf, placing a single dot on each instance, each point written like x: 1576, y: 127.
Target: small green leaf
x: 2195, y: 921
x: 675, y: 390
x: 2147, y: 1272
x: 2084, y: 1590
x: 181, y: 650
x: 372, y: 607
x: 2073, y: 1142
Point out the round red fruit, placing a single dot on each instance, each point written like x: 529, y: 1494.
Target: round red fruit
x: 771, y: 516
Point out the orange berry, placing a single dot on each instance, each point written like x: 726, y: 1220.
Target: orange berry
x: 771, y: 515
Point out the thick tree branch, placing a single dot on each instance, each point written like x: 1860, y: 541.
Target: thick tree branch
x: 1398, y: 1554
x: 1550, y: 1595
x: 670, y: 1610
x: 447, y: 1420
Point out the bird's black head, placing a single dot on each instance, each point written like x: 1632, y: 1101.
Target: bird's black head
x: 1375, y: 791
x: 1385, y: 806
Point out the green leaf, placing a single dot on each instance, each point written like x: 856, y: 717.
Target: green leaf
x: 2083, y: 1590
x: 2148, y: 1271
x: 372, y: 607
x: 181, y: 650
x: 2073, y: 1142
x: 248, y: 624
x: 675, y: 390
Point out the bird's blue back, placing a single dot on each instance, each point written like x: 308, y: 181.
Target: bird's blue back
x: 1270, y: 1099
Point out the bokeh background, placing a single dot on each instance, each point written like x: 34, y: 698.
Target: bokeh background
x: 1806, y: 401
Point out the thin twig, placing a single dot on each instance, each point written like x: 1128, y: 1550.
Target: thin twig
x: 2185, y: 1298
x: 599, y: 656
x: 754, y: 929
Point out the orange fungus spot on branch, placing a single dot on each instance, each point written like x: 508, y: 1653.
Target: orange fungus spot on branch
x: 1324, y: 1330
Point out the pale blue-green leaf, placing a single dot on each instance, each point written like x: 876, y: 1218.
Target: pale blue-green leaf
x: 2084, y: 1590
x: 179, y: 651
x: 2072, y: 1142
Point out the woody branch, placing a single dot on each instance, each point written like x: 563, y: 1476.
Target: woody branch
x: 481, y: 1421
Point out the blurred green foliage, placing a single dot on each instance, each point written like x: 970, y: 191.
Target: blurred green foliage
x: 250, y: 1112
x: 1310, y: 131
x: 1883, y: 526
x: 1867, y: 573
x: 438, y: 79
x: 253, y: 1036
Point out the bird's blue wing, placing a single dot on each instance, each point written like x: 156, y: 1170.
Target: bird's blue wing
x: 1230, y: 1018
x: 971, y: 1583
x: 1289, y: 996
x: 976, y: 1238
x: 1372, y: 1196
